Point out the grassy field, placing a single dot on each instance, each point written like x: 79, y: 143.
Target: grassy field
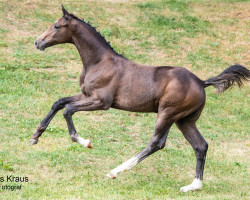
x: 203, y: 36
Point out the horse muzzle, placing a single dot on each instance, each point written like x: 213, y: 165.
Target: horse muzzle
x: 40, y: 44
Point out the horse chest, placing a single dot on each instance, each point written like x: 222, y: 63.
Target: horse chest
x: 100, y: 80
x: 91, y: 84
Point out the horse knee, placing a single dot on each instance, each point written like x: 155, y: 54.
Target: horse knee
x: 58, y: 105
x: 68, y: 112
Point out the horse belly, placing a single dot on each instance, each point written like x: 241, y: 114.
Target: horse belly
x: 136, y: 102
x: 139, y: 91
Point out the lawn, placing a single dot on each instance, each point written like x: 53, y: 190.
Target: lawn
x: 203, y: 36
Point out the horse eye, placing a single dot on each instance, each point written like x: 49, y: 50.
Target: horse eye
x: 56, y: 27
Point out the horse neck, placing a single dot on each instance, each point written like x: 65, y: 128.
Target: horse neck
x: 89, y: 46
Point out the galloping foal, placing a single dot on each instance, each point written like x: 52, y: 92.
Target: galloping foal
x: 109, y: 80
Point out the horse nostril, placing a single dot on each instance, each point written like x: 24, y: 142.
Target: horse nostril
x: 36, y: 43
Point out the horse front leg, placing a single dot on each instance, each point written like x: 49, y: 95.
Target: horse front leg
x: 58, y: 105
x: 86, y: 104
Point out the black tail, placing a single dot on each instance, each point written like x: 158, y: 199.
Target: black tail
x: 235, y: 74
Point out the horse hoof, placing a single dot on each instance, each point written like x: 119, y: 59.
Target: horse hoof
x: 189, y: 188
x: 195, y: 185
x: 111, y: 175
x: 85, y: 143
x: 90, y: 145
x: 33, y: 142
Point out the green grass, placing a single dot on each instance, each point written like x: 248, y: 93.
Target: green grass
x: 203, y: 36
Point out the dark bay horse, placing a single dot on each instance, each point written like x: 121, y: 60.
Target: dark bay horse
x: 109, y: 80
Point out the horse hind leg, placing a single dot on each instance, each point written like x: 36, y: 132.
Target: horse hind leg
x: 156, y: 143
x: 200, y: 146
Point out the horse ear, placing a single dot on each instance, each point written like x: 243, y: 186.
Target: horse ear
x: 65, y: 12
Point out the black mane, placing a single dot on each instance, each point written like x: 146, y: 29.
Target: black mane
x: 102, y: 38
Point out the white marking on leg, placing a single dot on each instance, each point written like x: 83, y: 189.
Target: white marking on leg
x: 124, y: 166
x: 195, y: 185
x: 85, y: 143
